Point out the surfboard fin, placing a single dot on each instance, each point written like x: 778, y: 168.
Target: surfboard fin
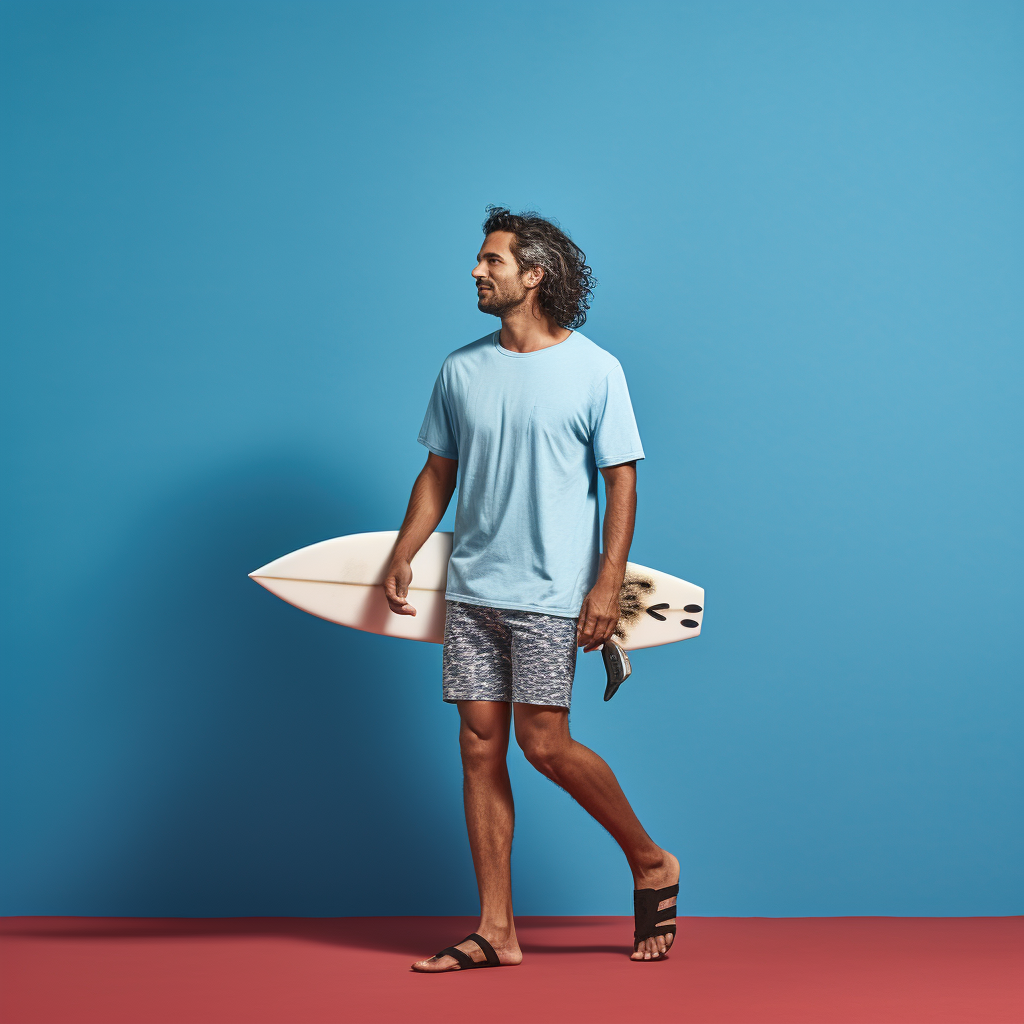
x: 616, y: 667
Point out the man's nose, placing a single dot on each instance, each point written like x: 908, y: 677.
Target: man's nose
x: 479, y: 271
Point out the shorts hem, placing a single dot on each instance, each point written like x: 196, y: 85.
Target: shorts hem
x: 504, y: 700
x: 455, y: 700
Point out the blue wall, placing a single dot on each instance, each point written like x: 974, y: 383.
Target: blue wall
x: 239, y: 244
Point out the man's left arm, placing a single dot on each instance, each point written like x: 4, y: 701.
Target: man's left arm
x: 599, y: 614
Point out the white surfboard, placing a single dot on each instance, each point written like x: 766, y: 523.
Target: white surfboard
x: 342, y: 580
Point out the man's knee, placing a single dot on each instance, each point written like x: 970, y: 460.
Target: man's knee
x: 544, y: 750
x: 480, y: 749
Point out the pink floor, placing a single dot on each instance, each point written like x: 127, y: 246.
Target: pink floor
x: 309, y: 970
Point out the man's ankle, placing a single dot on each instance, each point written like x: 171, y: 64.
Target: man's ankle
x: 649, y: 862
x: 497, y: 930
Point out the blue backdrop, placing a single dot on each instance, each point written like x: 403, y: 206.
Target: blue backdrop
x: 239, y: 240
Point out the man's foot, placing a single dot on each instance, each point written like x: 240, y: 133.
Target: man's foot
x: 504, y: 943
x: 657, y: 876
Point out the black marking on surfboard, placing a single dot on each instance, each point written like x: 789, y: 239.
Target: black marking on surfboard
x: 691, y: 608
x: 653, y: 611
x: 690, y: 623
x: 631, y: 607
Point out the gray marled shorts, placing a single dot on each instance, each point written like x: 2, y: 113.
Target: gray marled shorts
x: 499, y: 654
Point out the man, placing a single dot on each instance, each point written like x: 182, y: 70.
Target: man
x: 526, y: 417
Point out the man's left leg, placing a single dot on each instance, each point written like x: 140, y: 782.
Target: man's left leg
x: 543, y: 733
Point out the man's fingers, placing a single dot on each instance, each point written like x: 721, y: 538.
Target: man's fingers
x: 584, y: 611
x: 400, y: 607
x: 594, y: 642
x: 594, y: 627
x: 397, y: 598
x: 591, y: 627
x: 603, y: 632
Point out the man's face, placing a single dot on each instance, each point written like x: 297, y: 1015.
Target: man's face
x: 499, y: 284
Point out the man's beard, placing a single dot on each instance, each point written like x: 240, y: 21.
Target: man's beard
x: 499, y: 307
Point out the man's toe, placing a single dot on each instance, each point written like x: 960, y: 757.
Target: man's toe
x: 433, y: 964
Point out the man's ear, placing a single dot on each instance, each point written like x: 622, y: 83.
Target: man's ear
x: 533, y: 276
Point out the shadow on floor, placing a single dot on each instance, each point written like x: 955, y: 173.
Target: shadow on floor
x: 415, y: 936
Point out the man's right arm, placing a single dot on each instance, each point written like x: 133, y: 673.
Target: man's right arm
x: 431, y: 494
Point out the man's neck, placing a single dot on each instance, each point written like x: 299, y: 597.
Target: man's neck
x: 529, y: 330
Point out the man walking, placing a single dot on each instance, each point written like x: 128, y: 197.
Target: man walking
x: 526, y: 417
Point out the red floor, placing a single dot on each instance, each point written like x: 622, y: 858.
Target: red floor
x: 355, y: 970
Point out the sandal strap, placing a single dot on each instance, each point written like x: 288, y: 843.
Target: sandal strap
x: 488, y: 950
x: 662, y: 930
x: 646, y: 915
x: 466, y: 962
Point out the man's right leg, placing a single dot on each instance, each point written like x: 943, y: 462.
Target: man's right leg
x: 490, y: 817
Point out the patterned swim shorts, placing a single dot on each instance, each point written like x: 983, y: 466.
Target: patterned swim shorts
x: 500, y: 654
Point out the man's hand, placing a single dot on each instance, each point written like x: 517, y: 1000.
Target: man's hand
x: 598, y: 617
x: 396, y: 587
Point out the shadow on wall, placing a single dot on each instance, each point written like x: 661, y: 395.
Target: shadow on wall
x: 230, y: 755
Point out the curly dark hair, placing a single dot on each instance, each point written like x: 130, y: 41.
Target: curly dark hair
x: 565, y: 289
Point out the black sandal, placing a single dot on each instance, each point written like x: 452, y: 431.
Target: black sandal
x: 646, y: 916
x: 466, y: 962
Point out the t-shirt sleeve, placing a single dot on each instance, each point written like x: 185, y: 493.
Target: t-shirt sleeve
x: 615, y: 436
x: 438, y: 432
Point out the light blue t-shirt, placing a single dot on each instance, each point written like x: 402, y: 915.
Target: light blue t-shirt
x: 530, y: 431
